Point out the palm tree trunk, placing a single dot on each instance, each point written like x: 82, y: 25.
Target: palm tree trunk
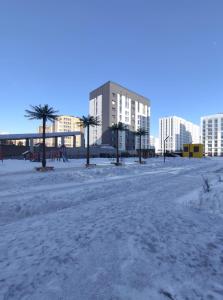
x: 88, y: 145
x: 140, y: 149
x: 117, y: 147
x: 44, y: 144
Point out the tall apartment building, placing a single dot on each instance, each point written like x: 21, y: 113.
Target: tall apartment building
x: 212, y: 134
x: 179, y: 131
x: 112, y: 103
x: 65, y: 123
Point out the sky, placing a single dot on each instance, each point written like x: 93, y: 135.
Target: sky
x: 55, y: 52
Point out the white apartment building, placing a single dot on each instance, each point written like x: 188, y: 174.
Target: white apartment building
x: 212, y: 134
x: 179, y: 131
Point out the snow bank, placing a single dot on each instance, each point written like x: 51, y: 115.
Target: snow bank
x: 24, y: 166
x: 209, y: 201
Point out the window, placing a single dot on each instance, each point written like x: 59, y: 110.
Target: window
x: 127, y: 103
x: 186, y: 149
x: 196, y: 149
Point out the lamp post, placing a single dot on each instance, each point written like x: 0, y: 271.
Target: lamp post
x: 164, y: 145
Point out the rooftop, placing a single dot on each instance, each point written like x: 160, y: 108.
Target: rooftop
x: 23, y: 136
x: 122, y: 87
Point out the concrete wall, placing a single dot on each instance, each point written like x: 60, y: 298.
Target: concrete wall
x: 12, y: 151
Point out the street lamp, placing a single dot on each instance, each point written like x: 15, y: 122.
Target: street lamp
x: 164, y: 145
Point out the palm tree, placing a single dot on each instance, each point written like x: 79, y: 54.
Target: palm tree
x: 87, y: 122
x: 116, y: 128
x: 44, y: 113
x: 141, y: 132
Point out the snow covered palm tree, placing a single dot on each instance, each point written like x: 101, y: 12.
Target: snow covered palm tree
x: 44, y: 113
x: 141, y: 132
x: 116, y: 128
x: 87, y: 122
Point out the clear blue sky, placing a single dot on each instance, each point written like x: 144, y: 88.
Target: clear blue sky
x: 56, y: 52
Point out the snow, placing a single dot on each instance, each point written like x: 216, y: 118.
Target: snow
x: 130, y: 232
x: 209, y: 201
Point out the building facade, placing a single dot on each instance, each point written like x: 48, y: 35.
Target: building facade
x: 193, y: 150
x: 49, y: 142
x: 65, y: 123
x: 111, y: 103
x: 154, y: 143
x: 179, y: 132
x: 212, y: 134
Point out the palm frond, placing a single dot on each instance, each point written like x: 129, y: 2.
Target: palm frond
x: 86, y: 121
x: 141, y: 131
x: 118, y: 126
x: 40, y: 112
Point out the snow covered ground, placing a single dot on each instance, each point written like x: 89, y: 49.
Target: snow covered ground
x: 135, y: 232
x: 208, y: 198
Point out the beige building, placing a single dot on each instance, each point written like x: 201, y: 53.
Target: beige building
x: 49, y: 142
x: 65, y: 123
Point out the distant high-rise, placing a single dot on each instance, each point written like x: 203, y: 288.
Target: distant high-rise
x: 212, y: 134
x: 111, y: 103
x: 179, y: 131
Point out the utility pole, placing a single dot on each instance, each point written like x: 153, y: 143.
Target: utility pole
x: 164, y: 145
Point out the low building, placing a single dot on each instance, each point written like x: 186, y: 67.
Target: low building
x: 31, y: 140
x: 193, y: 150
